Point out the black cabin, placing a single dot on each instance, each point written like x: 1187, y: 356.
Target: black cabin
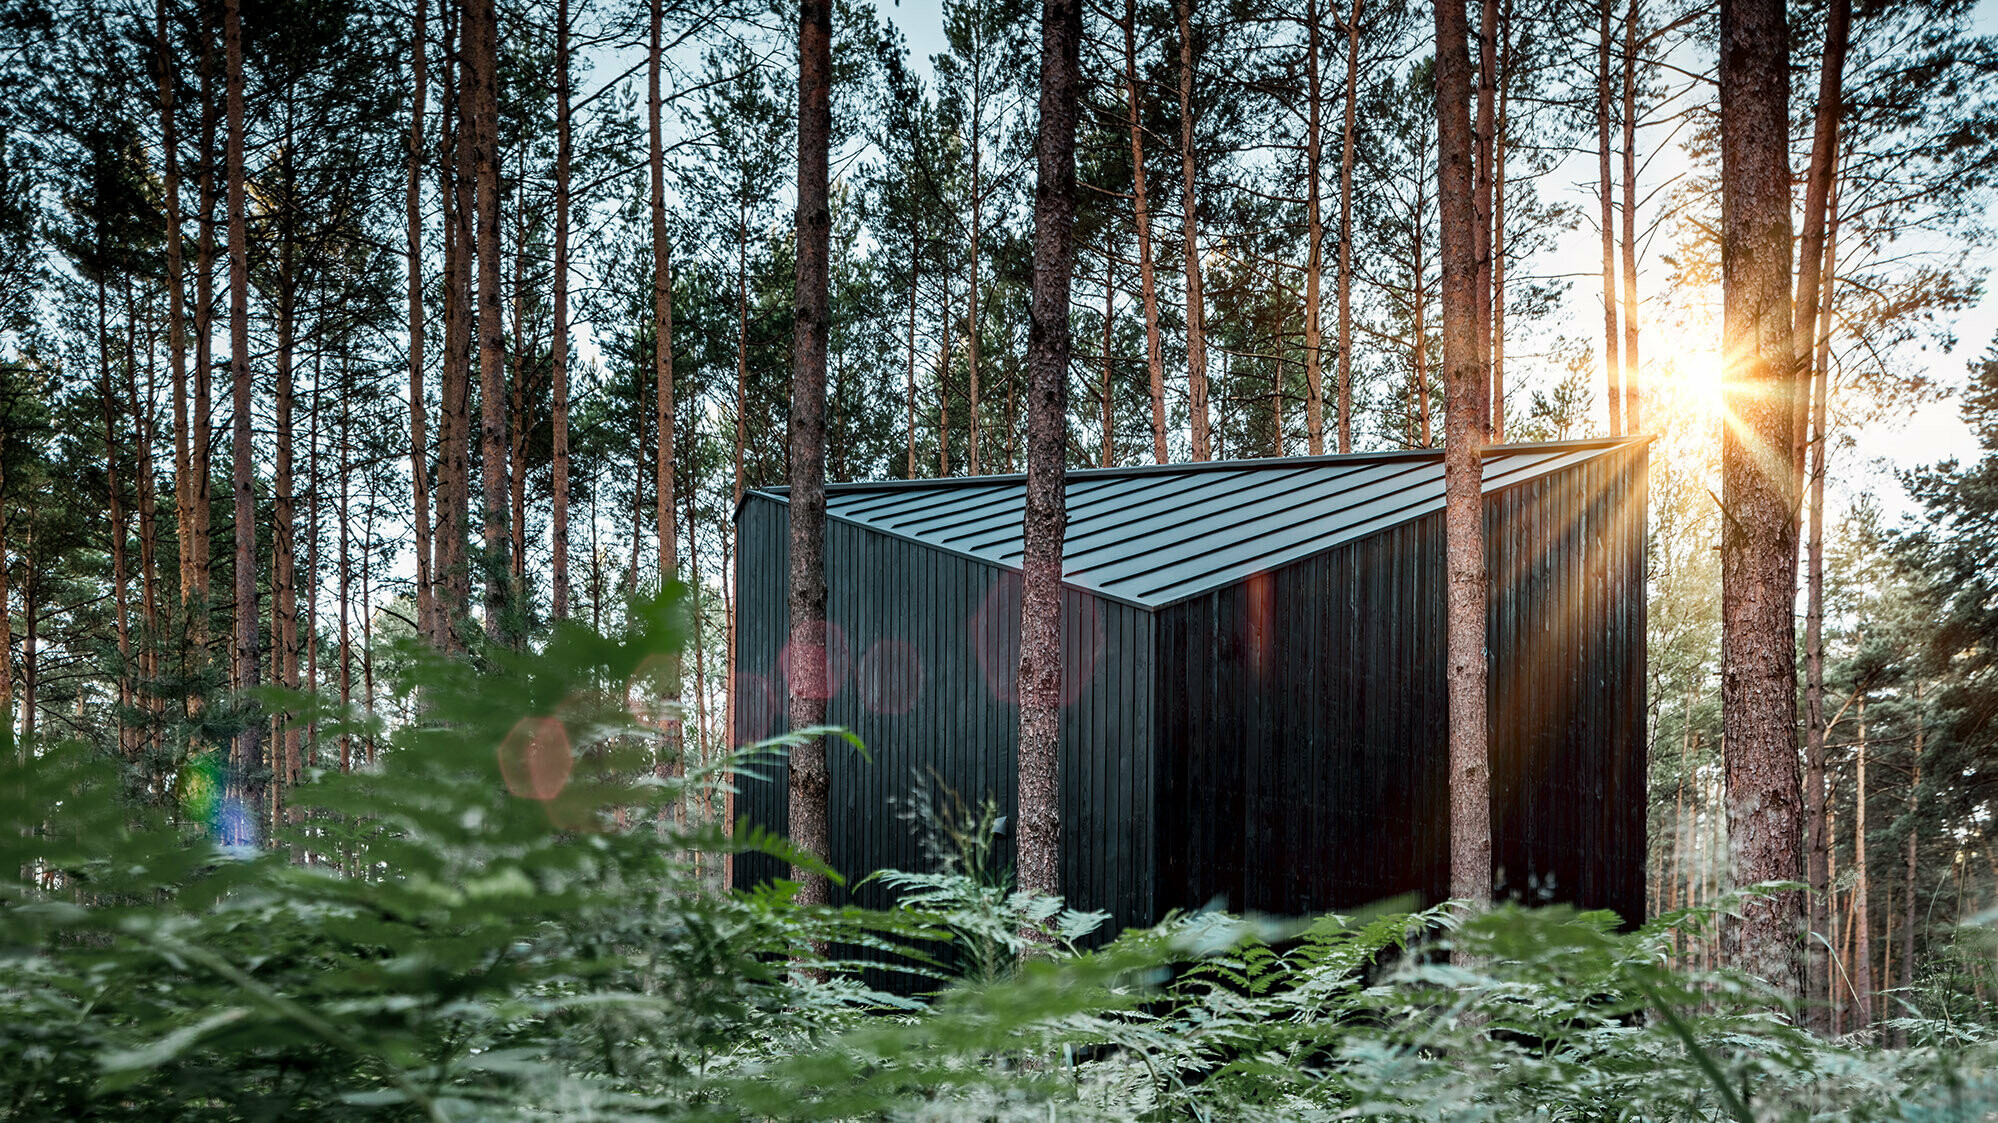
x: 1255, y: 671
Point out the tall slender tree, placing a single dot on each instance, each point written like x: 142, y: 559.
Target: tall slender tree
x: 1314, y: 379
x: 662, y: 306
x: 419, y: 437
x: 481, y: 69
x: 558, y: 406
x: 1464, y: 382
x: 1759, y: 538
x: 806, y: 675
x: 248, y: 756
x: 1142, y: 219
x: 1196, y: 302
x: 1606, y: 216
x: 1046, y: 515
x: 1349, y: 137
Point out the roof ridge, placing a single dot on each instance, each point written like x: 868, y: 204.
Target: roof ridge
x: 1261, y: 463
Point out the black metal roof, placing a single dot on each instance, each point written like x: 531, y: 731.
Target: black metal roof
x: 1156, y: 534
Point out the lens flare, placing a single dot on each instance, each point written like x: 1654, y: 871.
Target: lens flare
x: 814, y: 664
x: 535, y: 758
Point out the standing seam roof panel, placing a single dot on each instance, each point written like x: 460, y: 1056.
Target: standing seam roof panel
x: 1157, y: 534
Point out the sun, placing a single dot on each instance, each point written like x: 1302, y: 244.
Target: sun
x: 1686, y: 381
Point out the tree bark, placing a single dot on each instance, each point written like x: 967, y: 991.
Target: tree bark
x: 915, y: 286
x: 974, y: 416
x: 1142, y: 219
x: 150, y: 630
x: 1908, y: 877
x: 1605, y: 192
x: 1314, y: 379
x: 454, y: 471
x: 200, y: 460
x: 419, y: 438
x: 183, y: 482
x: 1347, y: 142
x: 1483, y: 135
x: 1631, y: 372
x: 1109, y: 456
x: 1046, y: 517
x: 6, y: 622
x: 1817, y: 824
x: 1817, y: 201
x: 1496, y: 298
x: 558, y: 517
x: 1759, y: 539
x: 284, y: 529
x: 482, y: 60
x: 1862, y: 911
x: 662, y: 312
x: 249, y: 742
x: 807, y: 684
x: 1464, y: 384
x: 116, y: 529
x: 1419, y: 356
x: 1196, y: 303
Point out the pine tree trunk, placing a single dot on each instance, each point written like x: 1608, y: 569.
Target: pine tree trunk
x: 482, y: 63
x: 974, y: 417
x: 558, y: 516
x: 1483, y: 135
x: 662, y: 313
x: 1909, y: 859
x: 1196, y: 302
x: 1419, y: 359
x: 419, y: 438
x: 1464, y: 385
x: 1817, y: 813
x: 30, y: 646
x: 346, y: 586
x: 915, y: 284
x: 1314, y: 384
x: 454, y: 470
x: 1818, y: 177
x: 1148, y: 290
x: 1862, y: 912
x: 249, y: 742
x: 116, y: 531
x: 943, y: 382
x: 1605, y: 194
x: 1759, y: 540
x: 1631, y: 372
x: 807, y: 684
x: 284, y: 531
x: 1347, y: 142
x: 150, y: 631
x: 1673, y: 900
x: 197, y: 546
x: 6, y: 622
x: 742, y: 344
x: 183, y: 482
x: 1108, y: 402
x: 1046, y: 516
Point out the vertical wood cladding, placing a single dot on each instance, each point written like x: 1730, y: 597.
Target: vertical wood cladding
x: 1275, y: 744
x: 1303, y: 720
x: 925, y: 667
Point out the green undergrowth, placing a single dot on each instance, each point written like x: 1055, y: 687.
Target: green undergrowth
x: 511, y: 915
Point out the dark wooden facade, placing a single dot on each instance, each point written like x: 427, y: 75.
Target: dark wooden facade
x: 1258, y: 711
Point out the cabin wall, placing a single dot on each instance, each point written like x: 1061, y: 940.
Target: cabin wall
x: 927, y: 679
x: 1301, y: 725
x: 1567, y: 640
x: 1303, y: 713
